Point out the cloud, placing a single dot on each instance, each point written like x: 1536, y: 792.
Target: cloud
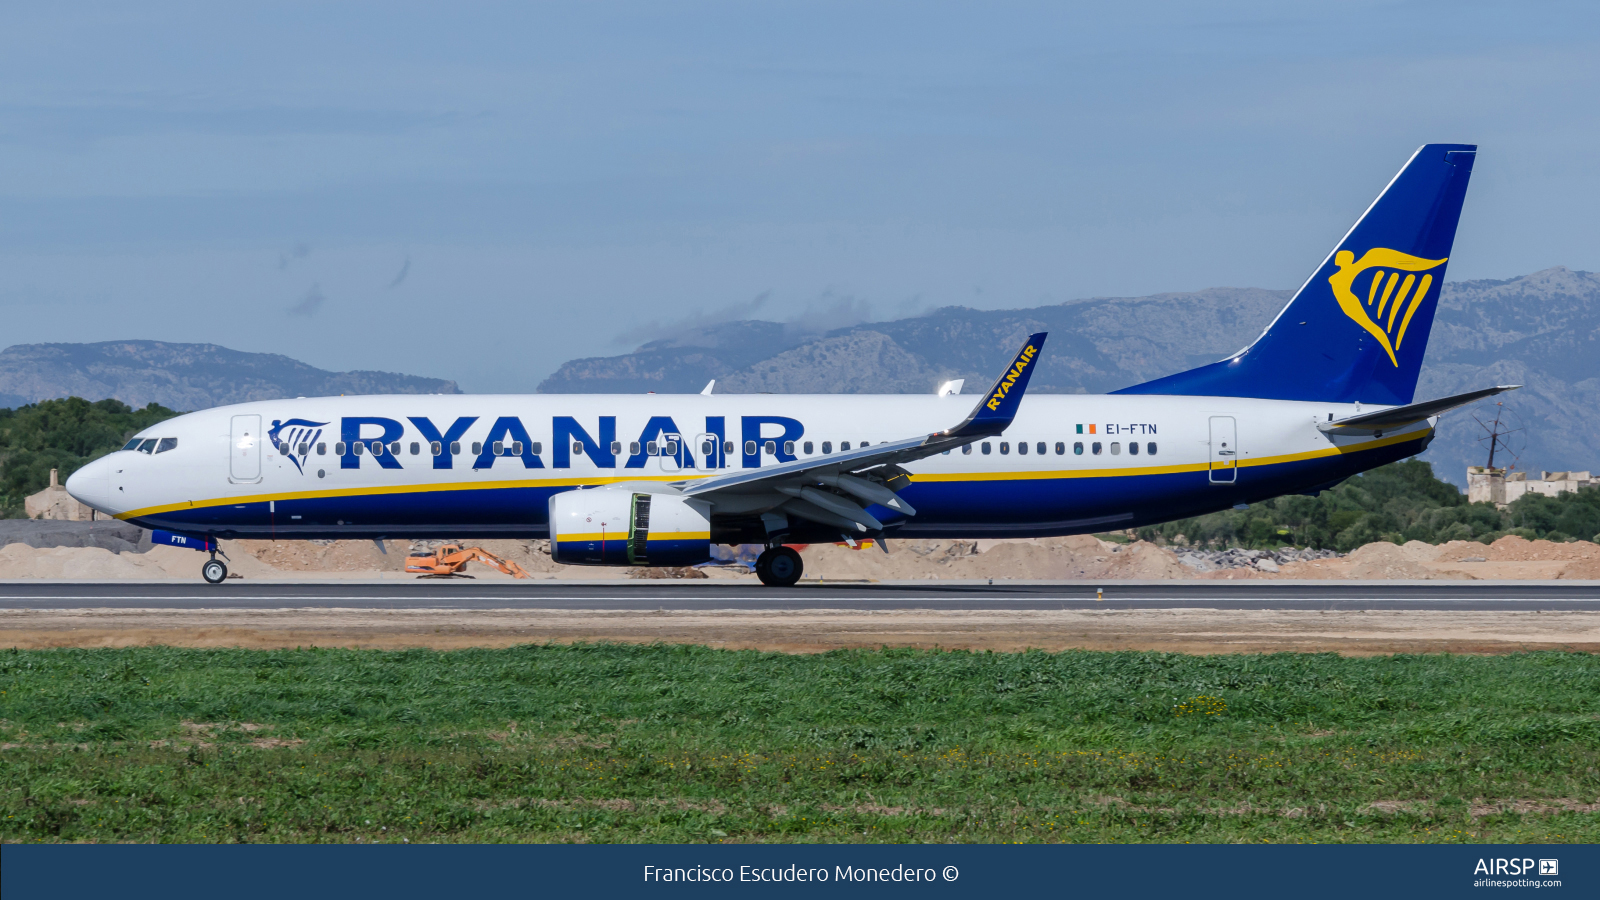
x: 298, y: 251
x: 657, y: 330
x: 310, y: 303
x: 826, y: 313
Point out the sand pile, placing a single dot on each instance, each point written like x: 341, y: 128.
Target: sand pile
x: 1509, y: 558
x: 1080, y: 557
x: 1076, y: 557
x: 99, y: 564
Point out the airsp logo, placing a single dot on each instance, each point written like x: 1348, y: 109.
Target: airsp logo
x: 1380, y: 315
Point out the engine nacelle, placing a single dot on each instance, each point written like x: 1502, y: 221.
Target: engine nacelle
x: 615, y: 526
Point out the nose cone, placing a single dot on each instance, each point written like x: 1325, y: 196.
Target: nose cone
x: 91, y: 486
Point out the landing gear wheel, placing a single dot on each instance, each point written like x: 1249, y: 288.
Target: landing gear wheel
x: 779, y: 567
x: 214, y: 571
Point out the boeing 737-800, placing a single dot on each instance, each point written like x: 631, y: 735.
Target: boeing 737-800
x: 1325, y: 392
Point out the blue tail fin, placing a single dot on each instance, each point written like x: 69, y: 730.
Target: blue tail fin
x: 1357, y: 329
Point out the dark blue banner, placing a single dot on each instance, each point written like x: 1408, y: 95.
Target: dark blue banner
x: 344, y: 871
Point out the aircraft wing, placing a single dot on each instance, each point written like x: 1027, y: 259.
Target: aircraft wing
x: 1398, y: 416
x: 803, y: 480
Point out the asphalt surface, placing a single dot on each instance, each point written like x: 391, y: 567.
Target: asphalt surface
x: 704, y: 595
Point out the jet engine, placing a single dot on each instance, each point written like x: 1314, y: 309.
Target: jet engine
x: 616, y: 526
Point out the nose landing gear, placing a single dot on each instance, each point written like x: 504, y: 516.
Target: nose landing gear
x: 214, y: 571
x: 779, y: 566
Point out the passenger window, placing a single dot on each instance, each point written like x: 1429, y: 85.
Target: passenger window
x: 148, y: 445
x: 338, y: 449
x: 133, y: 444
x: 516, y: 448
x: 1133, y: 448
x: 455, y: 448
x: 477, y: 448
x: 436, y: 448
x: 358, y: 448
x: 843, y: 446
x: 301, y: 450
x: 537, y: 448
x: 1095, y: 448
x: 633, y: 448
x: 727, y: 447
x: 1116, y: 448
x: 394, y: 449
x: 172, y: 444
x: 577, y: 448
x: 788, y: 448
x: 1061, y: 448
x: 707, y: 448
x: 1150, y: 448
x: 966, y: 449
x: 652, y: 449
x: 985, y: 448
x: 670, y: 449
x: 749, y: 448
x: 416, y: 448
x: 1022, y: 448
x: 1077, y: 448
x: 616, y: 447
x: 322, y: 449
x: 282, y: 447
x: 808, y: 448
x: 1005, y: 448
x: 500, y: 448
x: 377, y: 448
x: 866, y: 443
x: 771, y: 447
x: 827, y: 446
x: 1040, y: 448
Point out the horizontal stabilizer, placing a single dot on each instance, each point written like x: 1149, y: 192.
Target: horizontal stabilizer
x: 1399, y: 416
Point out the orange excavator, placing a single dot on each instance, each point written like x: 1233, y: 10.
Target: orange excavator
x: 447, y: 561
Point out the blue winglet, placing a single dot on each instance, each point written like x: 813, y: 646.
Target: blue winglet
x: 998, y: 407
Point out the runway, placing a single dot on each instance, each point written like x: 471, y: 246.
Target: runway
x: 703, y: 596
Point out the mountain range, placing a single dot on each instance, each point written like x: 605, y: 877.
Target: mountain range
x: 1540, y: 330
x: 181, y: 376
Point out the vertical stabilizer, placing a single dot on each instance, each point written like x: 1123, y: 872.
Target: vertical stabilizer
x: 1358, y: 328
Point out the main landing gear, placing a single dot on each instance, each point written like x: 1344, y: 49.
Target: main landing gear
x: 778, y: 566
x: 214, y: 571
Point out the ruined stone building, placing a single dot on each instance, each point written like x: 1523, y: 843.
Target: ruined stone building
x: 1497, y: 486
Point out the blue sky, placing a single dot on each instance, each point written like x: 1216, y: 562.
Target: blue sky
x: 481, y: 192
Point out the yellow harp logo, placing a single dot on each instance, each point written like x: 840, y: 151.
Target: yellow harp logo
x: 1380, y: 314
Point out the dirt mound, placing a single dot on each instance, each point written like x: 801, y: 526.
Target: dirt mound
x: 1044, y: 559
x: 97, y: 564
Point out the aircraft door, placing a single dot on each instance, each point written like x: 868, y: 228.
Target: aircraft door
x: 672, y: 453
x: 708, y: 449
x: 244, y: 450
x: 1224, y: 451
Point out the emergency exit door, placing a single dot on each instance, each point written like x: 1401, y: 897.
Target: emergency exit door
x: 244, y: 450
x: 1224, y: 450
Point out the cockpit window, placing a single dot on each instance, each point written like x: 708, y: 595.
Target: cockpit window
x: 167, y: 444
x: 133, y: 444
x: 148, y: 446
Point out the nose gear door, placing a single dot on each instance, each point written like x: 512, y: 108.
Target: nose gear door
x: 244, y: 450
x: 1224, y: 451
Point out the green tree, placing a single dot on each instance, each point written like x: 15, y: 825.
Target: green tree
x: 63, y: 435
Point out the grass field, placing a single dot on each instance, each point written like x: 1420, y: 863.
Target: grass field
x: 673, y: 743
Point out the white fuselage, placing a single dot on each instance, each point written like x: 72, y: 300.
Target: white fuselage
x: 1091, y: 462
